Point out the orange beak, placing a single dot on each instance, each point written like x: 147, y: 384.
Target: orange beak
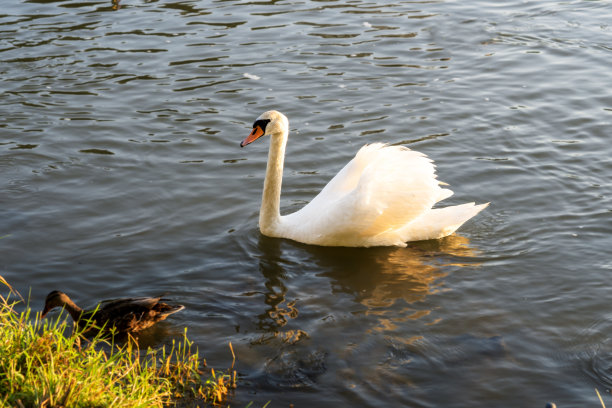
x: 255, y: 134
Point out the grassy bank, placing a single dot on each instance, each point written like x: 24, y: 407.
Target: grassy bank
x: 44, y: 364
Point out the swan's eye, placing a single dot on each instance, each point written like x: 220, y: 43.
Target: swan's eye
x: 262, y: 123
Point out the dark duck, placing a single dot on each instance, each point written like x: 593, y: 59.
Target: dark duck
x: 122, y: 316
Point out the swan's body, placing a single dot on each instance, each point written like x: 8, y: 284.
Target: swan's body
x: 382, y: 197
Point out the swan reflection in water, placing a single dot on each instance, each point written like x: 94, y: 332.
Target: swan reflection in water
x: 322, y: 304
x: 378, y: 279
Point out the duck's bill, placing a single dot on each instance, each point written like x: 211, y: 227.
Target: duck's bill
x: 44, y: 313
x: 255, y: 134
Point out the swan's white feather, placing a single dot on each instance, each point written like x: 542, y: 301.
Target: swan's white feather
x: 439, y: 222
x: 371, y: 201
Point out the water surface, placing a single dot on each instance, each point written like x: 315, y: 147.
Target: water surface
x: 121, y: 174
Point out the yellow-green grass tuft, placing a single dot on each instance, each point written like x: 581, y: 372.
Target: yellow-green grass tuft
x: 44, y: 364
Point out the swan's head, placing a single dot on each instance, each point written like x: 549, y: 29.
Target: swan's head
x: 268, y: 123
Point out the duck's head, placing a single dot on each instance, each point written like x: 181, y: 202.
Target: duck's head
x: 268, y: 123
x: 53, y: 300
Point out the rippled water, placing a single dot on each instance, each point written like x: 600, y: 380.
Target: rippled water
x: 122, y: 175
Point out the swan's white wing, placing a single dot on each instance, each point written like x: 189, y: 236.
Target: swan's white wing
x: 348, y: 178
x: 382, y: 189
x: 396, y: 187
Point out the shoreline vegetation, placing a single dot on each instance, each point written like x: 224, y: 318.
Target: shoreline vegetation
x: 44, y: 364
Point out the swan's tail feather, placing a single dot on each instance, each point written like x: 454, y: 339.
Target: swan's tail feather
x: 444, y: 194
x: 440, y: 222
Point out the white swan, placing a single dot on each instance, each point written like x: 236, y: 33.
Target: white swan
x: 383, y: 197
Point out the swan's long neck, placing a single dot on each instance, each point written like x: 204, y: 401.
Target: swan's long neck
x: 269, y: 215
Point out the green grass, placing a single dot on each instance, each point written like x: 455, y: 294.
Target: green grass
x: 42, y: 366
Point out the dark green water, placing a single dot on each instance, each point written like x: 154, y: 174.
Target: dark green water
x: 121, y: 174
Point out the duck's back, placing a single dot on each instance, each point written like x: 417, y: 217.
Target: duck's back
x: 134, y: 314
